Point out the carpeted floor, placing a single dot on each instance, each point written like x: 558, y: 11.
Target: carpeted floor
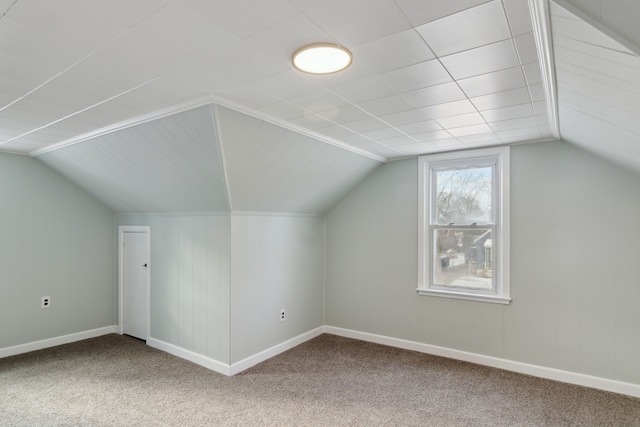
x: 329, y: 381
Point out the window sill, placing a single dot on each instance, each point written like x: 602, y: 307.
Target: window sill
x: 496, y: 299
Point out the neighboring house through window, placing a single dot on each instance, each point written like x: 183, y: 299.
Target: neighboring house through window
x: 464, y: 225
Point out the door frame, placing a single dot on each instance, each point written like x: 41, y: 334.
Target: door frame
x: 122, y: 229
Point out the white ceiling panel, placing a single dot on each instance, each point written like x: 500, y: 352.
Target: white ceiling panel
x: 232, y: 14
x: 421, y: 12
x: 508, y: 113
x: 420, y: 127
x: 482, y: 60
x: 460, y: 120
x: 450, y: 109
x: 512, y: 135
x: 350, y: 22
x: 406, y: 117
x: 364, y: 90
x: 532, y: 73
x: 417, y: 76
x: 471, y: 28
x: 526, y: 47
x: 434, y: 95
x: 431, y: 136
x: 519, y: 17
x: 470, y: 130
x: 526, y: 122
x: 498, y: 81
x: 502, y: 99
x: 414, y: 50
x: 91, y: 67
x: 280, y: 40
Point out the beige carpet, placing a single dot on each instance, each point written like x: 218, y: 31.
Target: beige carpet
x: 329, y: 381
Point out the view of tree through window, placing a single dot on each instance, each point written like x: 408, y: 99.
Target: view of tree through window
x: 463, y: 196
x: 462, y: 240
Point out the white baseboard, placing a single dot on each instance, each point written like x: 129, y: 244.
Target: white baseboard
x: 189, y: 355
x: 509, y: 365
x: 229, y: 370
x: 274, y: 351
x: 615, y: 386
x: 52, y: 342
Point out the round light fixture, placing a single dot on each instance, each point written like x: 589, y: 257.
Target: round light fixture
x: 321, y: 58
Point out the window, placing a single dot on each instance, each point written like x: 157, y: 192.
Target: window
x: 464, y: 225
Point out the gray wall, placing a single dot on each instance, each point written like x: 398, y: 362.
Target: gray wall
x: 574, y: 275
x: 190, y: 261
x: 58, y: 241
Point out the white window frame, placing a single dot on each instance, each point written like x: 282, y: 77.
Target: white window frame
x: 427, y: 165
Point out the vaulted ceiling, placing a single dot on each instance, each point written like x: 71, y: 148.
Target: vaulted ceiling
x: 197, y: 103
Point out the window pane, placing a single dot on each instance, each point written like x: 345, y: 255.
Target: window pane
x: 463, y: 196
x: 464, y: 258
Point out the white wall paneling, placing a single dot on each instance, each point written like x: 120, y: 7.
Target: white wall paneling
x: 277, y: 262
x: 189, y: 280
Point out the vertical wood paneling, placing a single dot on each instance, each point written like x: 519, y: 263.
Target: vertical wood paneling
x: 271, y: 169
x: 171, y: 164
x: 189, y: 281
x: 276, y: 262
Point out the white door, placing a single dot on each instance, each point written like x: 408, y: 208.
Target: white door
x: 135, y: 280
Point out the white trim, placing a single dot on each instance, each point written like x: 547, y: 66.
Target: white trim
x: 132, y: 229
x: 462, y: 295
x: 274, y: 351
x: 155, y: 115
x: 501, y: 157
x: 204, y: 213
x: 199, y: 102
x: 584, y: 380
x: 53, y: 342
x: 278, y: 214
x: 189, y: 355
x: 224, y: 102
x: 541, y: 22
x: 235, y: 368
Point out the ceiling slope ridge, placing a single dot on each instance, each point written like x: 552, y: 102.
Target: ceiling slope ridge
x: 224, y: 102
x: 541, y: 22
x: 200, y: 102
x: 135, y: 121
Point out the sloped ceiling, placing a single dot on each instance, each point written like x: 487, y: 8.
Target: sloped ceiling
x: 193, y: 105
x: 171, y: 164
x: 175, y: 164
x: 598, y: 83
x: 272, y: 169
x: 427, y: 76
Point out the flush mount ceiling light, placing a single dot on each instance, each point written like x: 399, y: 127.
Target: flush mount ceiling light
x: 321, y: 58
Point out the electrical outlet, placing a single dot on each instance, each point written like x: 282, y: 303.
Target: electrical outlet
x: 45, y: 302
x: 282, y: 317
